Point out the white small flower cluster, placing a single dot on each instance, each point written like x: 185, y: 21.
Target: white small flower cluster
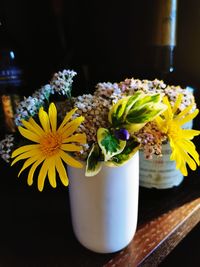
x: 109, y: 90
x: 95, y: 111
x: 62, y: 81
x: 188, y: 97
x: 6, y: 147
x: 115, y: 91
x: 30, y: 105
x: 151, y: 140
x: 130, y: 86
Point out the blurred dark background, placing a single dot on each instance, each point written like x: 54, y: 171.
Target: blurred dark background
x: 103, y: 41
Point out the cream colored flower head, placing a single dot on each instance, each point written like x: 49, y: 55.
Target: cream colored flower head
x: 50, y: 146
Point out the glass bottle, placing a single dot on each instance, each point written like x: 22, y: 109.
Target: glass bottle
x: 161, y: 173
x: 164, y: 46
x: 163, y: 40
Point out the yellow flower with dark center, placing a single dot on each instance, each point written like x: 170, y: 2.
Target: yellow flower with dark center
x: 51, y: 146
x: 170, y: 122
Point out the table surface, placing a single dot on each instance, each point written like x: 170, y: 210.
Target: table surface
x: 36, y: 228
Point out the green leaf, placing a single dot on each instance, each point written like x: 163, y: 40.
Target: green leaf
x: 138, y: 117
x: 118, y: 112
x: 109, y: 144
x: 143, y: 115
x: 131, y: 100
x: 134, y: 127
x: 93, y: 165
x: 148, y: 100
x: 115, y: 115
x: 131, y: 148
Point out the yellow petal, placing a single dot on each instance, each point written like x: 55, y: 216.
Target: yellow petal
x: 53, y: 117
x: 184, y: 112
x: 183, y: 169
x: 52, y: 173
x: 31, y: 128
x: 177, y: 103
x: 71, y: 147
x: 29, y: 135
x: 25, y: 155
x: 27, y: 163
x: 180, y: 163
x: 180, y: 153
x: 189, y: 117
x: 69, y: 160
x: 42, y: 174
x: 168, y: 112
x: 187, y: 145
x: 36, y: 126
x: 24, y: 149
x: 44, y: 120
x: 190, y: 148
x: 67, y: 118
x: 190, y: 161
x: 79, y: 138
x: 62, y: 172
x: 32, y: 170
x: 189, y: 134
x: 71, y: 127
x: 161, y: 124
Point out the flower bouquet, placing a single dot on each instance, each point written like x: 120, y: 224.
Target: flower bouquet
x: 165, y: 142
x: 100, y: 135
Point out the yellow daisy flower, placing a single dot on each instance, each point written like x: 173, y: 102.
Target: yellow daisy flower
x: 170, y: 122
x: 51, y: 146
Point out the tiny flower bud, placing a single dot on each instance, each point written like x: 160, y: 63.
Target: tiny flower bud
x: 122, y: 134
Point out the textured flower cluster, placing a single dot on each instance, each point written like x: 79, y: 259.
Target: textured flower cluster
x: 95, y: 111
x: 151, y: 140
x: 6, y: 146
x: 30, y: 106
x: 61, y: 83
x: 116, y: 91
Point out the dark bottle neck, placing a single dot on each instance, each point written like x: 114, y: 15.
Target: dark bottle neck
x: 163, y: 63
x: 163, y: 40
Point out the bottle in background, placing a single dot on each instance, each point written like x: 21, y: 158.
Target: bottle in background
x: 163, y: 41
x: 161, y: 173
x: 11, y: 83
x: 164, y: 45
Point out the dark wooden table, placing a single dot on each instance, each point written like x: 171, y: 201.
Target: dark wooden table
x: 36, y: 229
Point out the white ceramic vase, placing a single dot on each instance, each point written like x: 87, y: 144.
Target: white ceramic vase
x: 104, y: 208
